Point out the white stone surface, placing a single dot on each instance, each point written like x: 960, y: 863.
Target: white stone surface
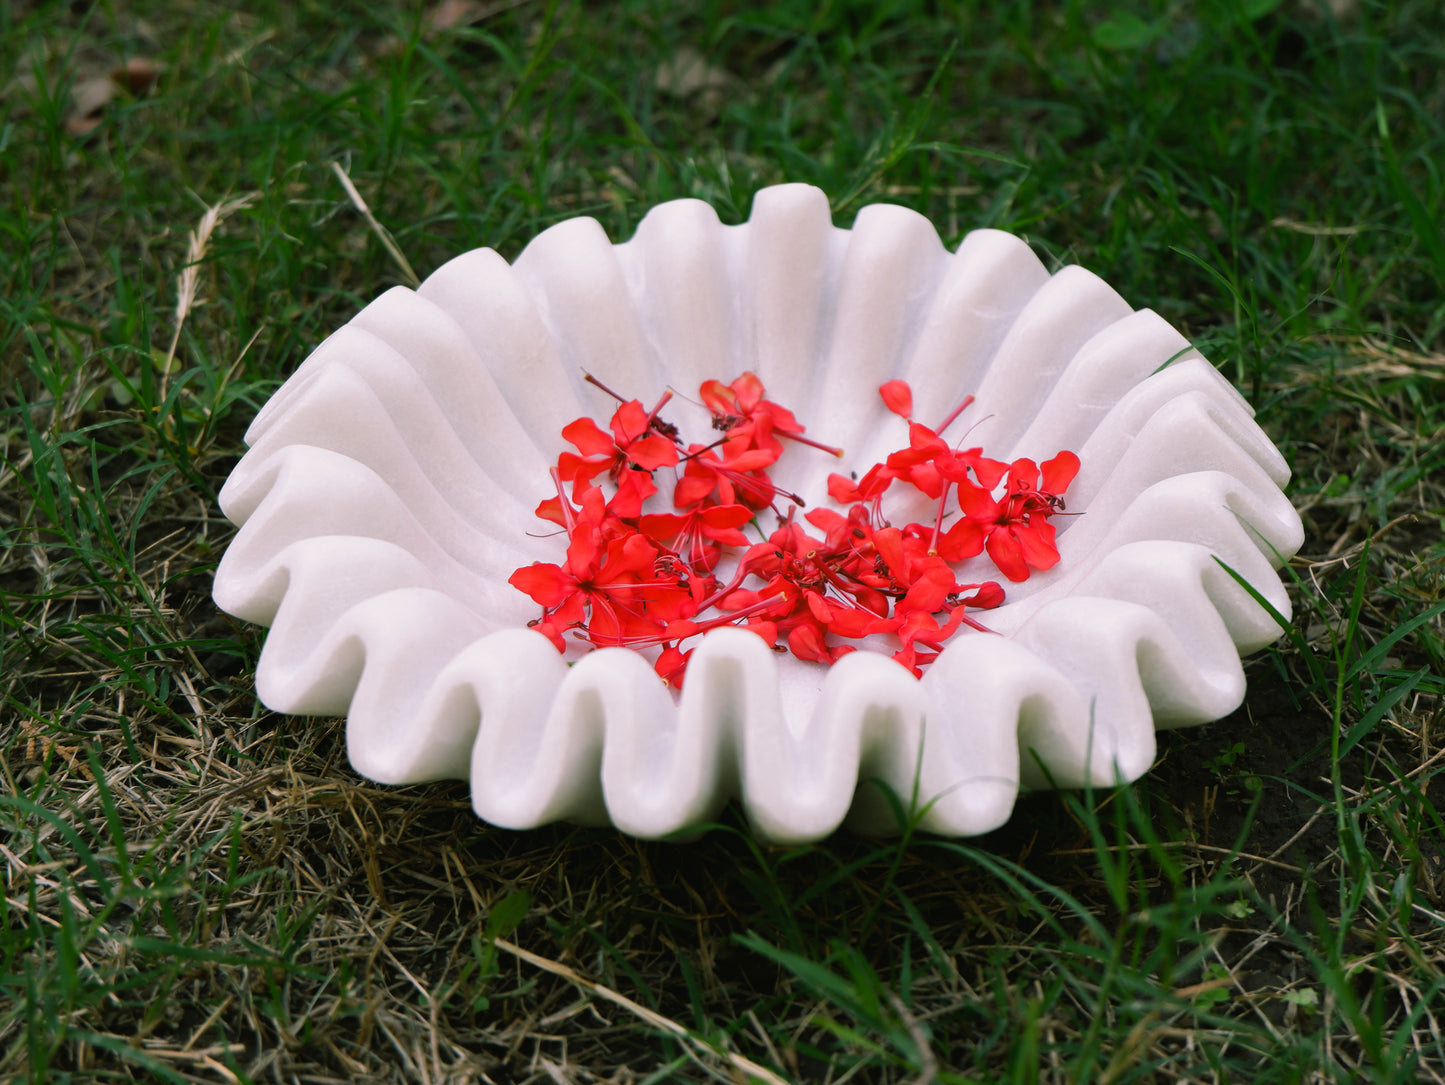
x: 390, y: 484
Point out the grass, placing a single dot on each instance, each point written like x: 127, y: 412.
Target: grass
x: 198, y: 890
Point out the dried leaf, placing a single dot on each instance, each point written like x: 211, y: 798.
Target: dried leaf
x: 444, y: 16
x: 91, y: 94
x: 137, y: 76
x: 81, y: 126
x: 88, y: 98
x: 450, y: 14
x: 688, y: 73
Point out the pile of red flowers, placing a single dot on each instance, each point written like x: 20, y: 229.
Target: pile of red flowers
x: 640, y: 579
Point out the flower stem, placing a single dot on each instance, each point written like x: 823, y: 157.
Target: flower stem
x: 967, y: 402
x: 802, y: 440
x: 590, y: 379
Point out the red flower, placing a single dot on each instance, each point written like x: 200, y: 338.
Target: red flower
x: 629, y: 455
x: 930, y: 464
x: 738, y: 477
x: 671, y: 665
x: 610, y: 584
x: 594, y: 595
x: 869, y: 488
x: 699, y: 534
x: 1019, y: 535
x: 647, y: 581
x: 739, y: 409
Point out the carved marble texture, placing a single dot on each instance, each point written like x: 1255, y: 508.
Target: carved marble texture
x: 389, y: 488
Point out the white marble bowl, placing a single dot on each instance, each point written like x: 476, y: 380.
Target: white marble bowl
x: 390, y: 485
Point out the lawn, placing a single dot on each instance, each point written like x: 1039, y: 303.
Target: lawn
x: 199, y: 890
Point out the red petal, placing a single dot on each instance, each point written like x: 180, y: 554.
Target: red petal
x: 763, y: 628
x: 963, y: 540
x: 923, y: 439
x: 592, y: 501
x: 907, y: 657
x: 915, y: 625
x: 898, y: 398
x: 603, y: 627
x: 806, y: 642
x: 927, y: 477
x: 572, y: 610
x: 545, y: 583
x: 632, y: 553
x: 819, y: 607
x: 588, y: 437
x: 582, y: 468
x: 582, y: 551
x: 948, y: 628
x: 718, y: 397
x: 1059, y: 472
x: 827, y: 520
x: 977, y: 503
x: 652, y: 452
x: 728, y: 536
x: 692, y: 488
x: 757, y: 459
x: 779, y: 418
x: 661, y: 525
x: 723, y: 516
x: 1006, y: 553
x: 990, y: 594
x: 749, y: 391
x: 550, y: 630
x: 633, y: 488
x: 669, y: 602
x: 928, y: 591
x: 843, y: 490
x: 671, y: 665
x: 873, y: 600
x: 1036, y: 543
x: 1023, y: 474
x: 987, y: 471
x: 680, y: 629
x: 855, y: 622
x: 629, y: 422
x: 889, y: 541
